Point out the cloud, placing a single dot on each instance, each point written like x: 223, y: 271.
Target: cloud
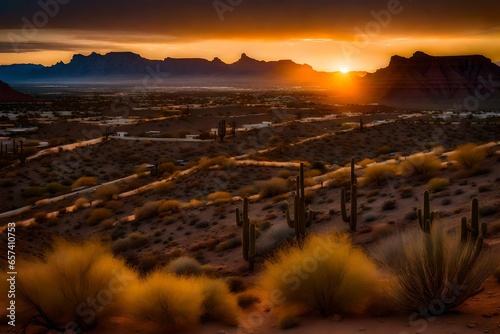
x: 258, y: 18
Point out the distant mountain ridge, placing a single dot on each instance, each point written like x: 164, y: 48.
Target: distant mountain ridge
x: 446, y: 81
x: 420, y: 81
x: 132, y: 66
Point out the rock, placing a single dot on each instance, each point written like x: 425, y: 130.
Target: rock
x: 337, y: 318
x: 472, y: 324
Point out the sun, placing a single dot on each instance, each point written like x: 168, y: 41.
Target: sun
x: 344, y: 70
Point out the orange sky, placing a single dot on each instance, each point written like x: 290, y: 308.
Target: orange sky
x: 328, y: 36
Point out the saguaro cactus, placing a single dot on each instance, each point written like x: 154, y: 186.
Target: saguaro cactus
x: 361, y: 124
x: 353, y: 218
x: 222, y: 130
x: 425, y: 216
x: 472, y: 230
x: 247, y: 236
x: 302, y: 215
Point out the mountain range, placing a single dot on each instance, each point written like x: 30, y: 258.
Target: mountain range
x: 420, y: 81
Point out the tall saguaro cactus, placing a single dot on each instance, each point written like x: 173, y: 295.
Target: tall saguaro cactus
x: 425, y: 216
x: 248, y: 234
x: 222, y: 130
x: 302, y: 215
x: 352, y: 220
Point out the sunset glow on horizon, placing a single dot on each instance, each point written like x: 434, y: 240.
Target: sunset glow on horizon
x: 329, y: 37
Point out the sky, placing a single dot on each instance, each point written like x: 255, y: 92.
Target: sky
x: 328, y: 35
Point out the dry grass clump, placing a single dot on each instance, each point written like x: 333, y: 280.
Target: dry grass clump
x: 437, y: 184
x: 273, y: 187
x: 132, y: 241
x: 379, y: 173
x: 164, y: 187
x: 421, y: 165
x: 222, y: 161
x: 85, y: 181
x: 185, y: 266
x: 80, y: 203
x: 339, y: 178
x: 165, y: 303
x: 467, y: 158
x: 98, y: 215
x: 148, y: 210
x: 432, y: 270
x: 170, y: 205
x: 219, y: 196
x: 106, y: 192
x: 68, y: 287
x: 327, y: 274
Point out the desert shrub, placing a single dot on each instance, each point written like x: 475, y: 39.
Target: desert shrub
x: 468, y: 157
x: 185, y: 266
x: 437, y: 184
x: 148, y: 210
x: 389, y: 205
x: 420, y: 164
x: 85, y: 181
x: 132, y: 241
x: 106, y: 192
x: 218, y: 302
x: 431, y: 267
x: 219, y: 196
x: 163, y: 302
x: 273, y: 187
x: 222, y: 161
x: 487, y: 210
x: 55, y: 188
x: 98, y: 215
x: 166, y: 303
x: 483, y: 188
x: 247, y: 191
x: 406, y: 192
x: 411, y: 216
x: 228, y: 244
x: 30, y: 192
x: 81, y: 203
x: 167, y: 167
x: 340, y: 177
x: 385, y: 149
x: 63, y: 288
x: 273, y: 238
x: 170, y: 205
x: 379, y: 173
x: 113, y: 205
x: 327, y: 274
x: 164, y: 187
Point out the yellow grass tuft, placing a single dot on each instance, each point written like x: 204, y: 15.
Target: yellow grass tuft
x: 75, y: 284
x: 420, y: 164
x: 379, y: 173
x: 437, y: 184
x: 327, y: 274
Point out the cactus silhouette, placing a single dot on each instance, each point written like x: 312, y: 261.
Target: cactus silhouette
x: 302, y: 215
x: 353, y: 218
x: 247, y: 236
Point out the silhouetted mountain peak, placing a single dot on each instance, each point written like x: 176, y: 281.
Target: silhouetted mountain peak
x: 8, y: 94
x: 420, y: 54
